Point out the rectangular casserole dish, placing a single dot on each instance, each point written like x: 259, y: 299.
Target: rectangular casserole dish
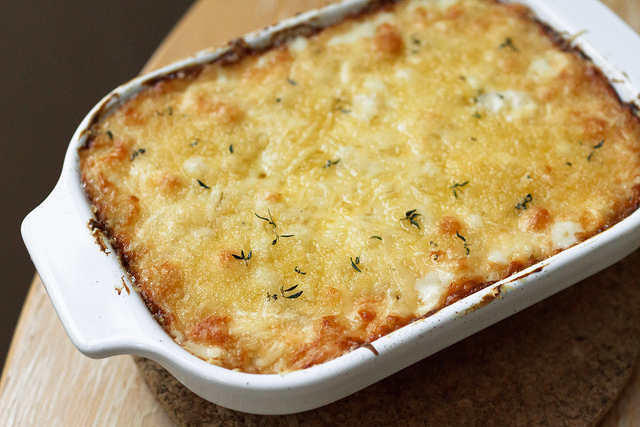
x: 80, y: 279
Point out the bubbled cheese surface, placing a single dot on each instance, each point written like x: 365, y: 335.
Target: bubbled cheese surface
x: 277, y: 212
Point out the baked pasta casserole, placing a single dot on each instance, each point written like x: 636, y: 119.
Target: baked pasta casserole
x: 280, y: 208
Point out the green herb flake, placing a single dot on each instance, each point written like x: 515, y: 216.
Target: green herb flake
x: 476, y: 98
x: 269, y: 220
x: 456, y: 187
x: 167, y: 109
x: 416, y: 42
x: 342, y: 106
x: 293, y: 296
x: 508, y: 43
x: 292, y: 82
x: 464, y: 241
x: 110, y: 135
x: 203, y: 185
x: 411, y: 217
x: 195, y: 142
x: 523, y: 204
x: 476, y: 115
x: 243, y: 257
x: 595, y: 147
x: 376, y: 237
x: 331, y: 163
x: 278, y: 236
x: 231, y: 148
x: 137, y: 152
x: 355, y: 263
x: 297, y: 270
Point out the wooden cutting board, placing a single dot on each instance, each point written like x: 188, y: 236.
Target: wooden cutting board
x: 563, y: 361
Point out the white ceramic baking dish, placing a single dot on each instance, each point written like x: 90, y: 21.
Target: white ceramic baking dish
x: 90, y: 290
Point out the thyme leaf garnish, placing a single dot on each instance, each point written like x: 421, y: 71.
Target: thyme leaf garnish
x: 508, y: 43
x: 278, y: 236
x: 416, y: 42
x: 278, y: 99
x: 342, y: 106
x: 137, y: 152
x: 376, y: 237
x: 355, y: 263
x: 110, y: 135
x: 292, y: 82
x: 243, y: 257
x: 411, y: 217
x: 456, y: 186
x: 331, y: 163
x: 464, y: 241
x: 595, y: 147
x: 269, y: 220
x: 293, y: 296
x: 195, y: 142
x: 203, y: 185
x: 476, y: 98
x: 231, y: 148
x: 523, y: 204
x: 297, y: 270
x: 168, y: 109
x: 476, y: 115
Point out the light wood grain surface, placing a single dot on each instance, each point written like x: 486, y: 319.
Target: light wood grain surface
x: 47, y: 382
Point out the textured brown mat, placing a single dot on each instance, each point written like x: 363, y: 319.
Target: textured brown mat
x: 561, y: 362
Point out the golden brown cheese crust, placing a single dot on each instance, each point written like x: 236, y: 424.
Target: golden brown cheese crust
x: 281, y: 210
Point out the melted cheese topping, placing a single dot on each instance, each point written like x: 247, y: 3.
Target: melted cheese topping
x: 282, y: 210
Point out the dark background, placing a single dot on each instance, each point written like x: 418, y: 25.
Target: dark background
x: 57, y: 59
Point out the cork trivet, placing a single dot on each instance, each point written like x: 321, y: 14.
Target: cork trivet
x: 561, y: 362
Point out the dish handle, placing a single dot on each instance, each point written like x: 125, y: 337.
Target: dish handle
x: 94, y: 300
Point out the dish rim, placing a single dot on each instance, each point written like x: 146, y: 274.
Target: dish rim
x: 136, y: 332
